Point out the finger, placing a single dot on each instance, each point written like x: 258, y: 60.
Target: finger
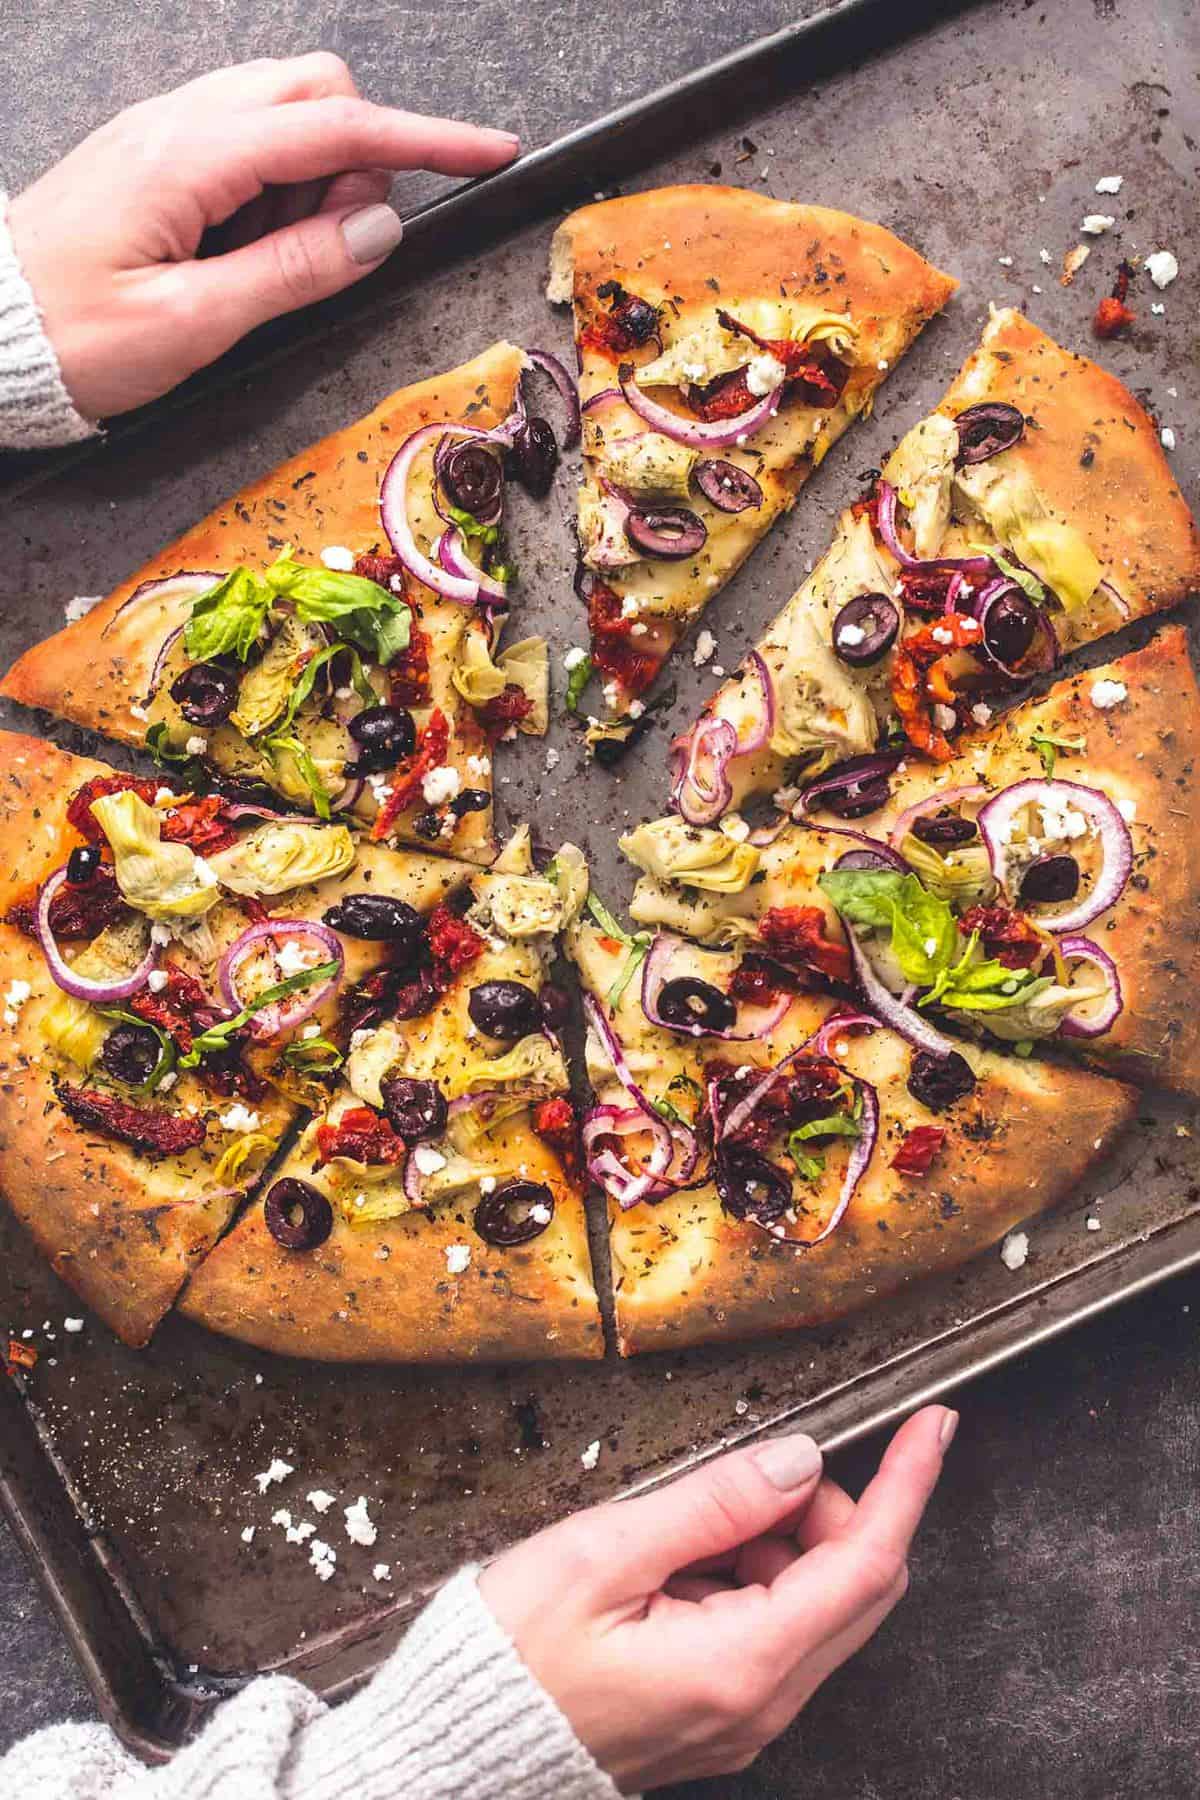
x: 891, y: 1506
x: 356, y: 187
x: 694, y: 1589
x: 802, y: 1683
x: 230, y: 295
x: 271, y: 81
x: 830, y: 1511
x: 764, y: 1560
x: 713, y: 1510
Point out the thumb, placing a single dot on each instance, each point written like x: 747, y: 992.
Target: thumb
x: 707, y: 1514
x: 289, y: 268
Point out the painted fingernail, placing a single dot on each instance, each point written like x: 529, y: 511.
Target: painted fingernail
x: 789, y: 1462
x: 946, y: 1431
x: 508, y: 139
x: 371, y: 233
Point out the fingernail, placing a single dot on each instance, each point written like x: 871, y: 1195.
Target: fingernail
x: 789, y: 1462
x: 509, y: 139
x: 946, y: 1431
x: 371, y: 233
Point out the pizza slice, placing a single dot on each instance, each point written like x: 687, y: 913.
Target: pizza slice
x: 774, y: 1167
x: 172, y: 967
x: 433, y: 1210
x: 1043, y: 887
x: 725, y: 341
x: 1034, y: 511
x: 332, y: 633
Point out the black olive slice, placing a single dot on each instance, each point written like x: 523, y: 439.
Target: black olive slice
x: 670, y: 532
x: 865, y: 629
x: 750, y: 1186
x: 533, y: 457
x: 987, y: 429
x: 945, y: 829
x: 938, y: 1081
x: 205, y: 693
x: 514, y: 1213
x: 298, y: 1216
x: 416, y: 1109
x: 471, y: 477
x: 695, y: 1005
x: 728, y: 487
x: 82, y: 864
x: 378, y: 917
x: 384, y: 734
x: 1009, y: 625
x: 131, y: 1053
x: 507, y: 1010
x: 1049, y: 879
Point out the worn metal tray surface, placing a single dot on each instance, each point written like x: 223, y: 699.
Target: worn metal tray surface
x: 130, y: 1476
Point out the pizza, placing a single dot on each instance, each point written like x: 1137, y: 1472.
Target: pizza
x: 1041, y: 887
x: 186, y: 977
x: 777, y: 1162
x: 1031, y: 513
x: 433, y: 1209
x: 725, y: 342
x: 331, y: 634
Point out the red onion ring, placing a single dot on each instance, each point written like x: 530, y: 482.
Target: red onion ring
x: 654, y: 976
x: 884, y: 851
x: 949, y: 796
x: 246, y: 809
x: 349, y: 796
x: 995, y: 820
x: 1110, y: 593
x: 695, y: 432
x: 701, y: 793
x: 283, y: 1014
x: 550, y: 365
x: 451, y: 552
x: 885, y: 516
x: 1084, y: 950
x: 602, y: 398
x: 760, y: 737
x: 656, y: 1181
x: 188, y: 582
x: 81, y: 987
x: 904, y: 1020
x: 164, y: 651
x: 393, y: 502
x: 1050, y: 653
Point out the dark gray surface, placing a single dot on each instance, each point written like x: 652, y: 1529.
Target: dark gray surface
x: 1050, y: 1642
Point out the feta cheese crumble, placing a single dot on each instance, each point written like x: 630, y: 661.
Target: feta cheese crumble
x: 239, y: 1118
x: 73, y: 1325
x: 428, y: 1160
x: 18, y: 993
x: 853, y: 635
x: 1167, y: 438
x: 157, y: 980
x: 278, y: 1471
x: 574, y: 656
x: 1162, y: 268
x: 336, y: 556
x: 1014, y: 1250
x: 591, y: 1456
x: 458, y: 1258
x: 359, y: 1527
x: 1109, y: 184
x: 319, y: 1500
x: 293, y: 958
x: 706, y: 643
x: 764, y: 373
x: 1127, y: 810
x: 196, y: 745
x: 441, y: 785
x: 1096, y: 224
x: 1107, y: 694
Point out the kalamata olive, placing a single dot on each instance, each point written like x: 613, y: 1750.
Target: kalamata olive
x: 205, y: 693
x: 986, y: 429
x: 131, y: 1053
x: 945, y: 829
x: 378, y: 917
x: 554, y: 1006
x: 428, y: 825
x: 689, y: 1004
x: 470, y: 800
x: 514, y: 1213
x: 82, y: 864
x: 750, y: 1186
x: 637, y: 318
x: 533, y: 456
x: 471, y: 477
x: 297, y: 1216
x: 507, y: 1010
x: 670, y: 532
x: 859, y: 798
x: 867, y: 859
x: 1009, y: 625
x: 938, y: 1081
x: 384, y: 734
x: 1048, y: 879
x: 865, y: 629
x: 728, y: 487
x: 417, y: 1109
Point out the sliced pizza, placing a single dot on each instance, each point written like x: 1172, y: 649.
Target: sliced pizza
x: 725, y: 341
x: 172, y: 969
x: 332, y: 633
x: 1041, y: 888
x: 774, y: 1165
x: 433, y: 1210
x: 1034, y: 511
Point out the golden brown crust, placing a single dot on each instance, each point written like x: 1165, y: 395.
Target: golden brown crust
x: 384, y: 1293
x: 95, y: 671
x: 1095, y: 457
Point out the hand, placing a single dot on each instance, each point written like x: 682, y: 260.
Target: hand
x: 284, y: 157
x: 682, y: 1631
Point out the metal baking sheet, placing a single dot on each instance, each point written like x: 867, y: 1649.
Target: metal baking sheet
x: 978, y: 134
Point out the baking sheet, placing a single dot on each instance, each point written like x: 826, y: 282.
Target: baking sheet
x: 130, y: 1475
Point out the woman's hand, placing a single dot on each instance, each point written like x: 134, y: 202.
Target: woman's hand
x: 682, y: 1631
x: 284, y: 157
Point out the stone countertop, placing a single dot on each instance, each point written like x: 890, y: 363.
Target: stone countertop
x: 1049, y: 1643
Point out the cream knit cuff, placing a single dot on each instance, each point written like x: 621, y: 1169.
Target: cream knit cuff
x: 454, y: 1714
x: 36, y: 411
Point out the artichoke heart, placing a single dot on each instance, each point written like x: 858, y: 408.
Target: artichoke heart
x: 267, y: 687
x: 518, y: 906
x: 72, y: 1027
x: 1009, y: 503
x: 242, y: 1158
x: 569, y: 871
x: 371, y: 1055
x: 164, y: 881
x: 479, y: 677
x: 696, y: 855
x: 283, y: 854
x: 532, y: 1068
x: 603, y: 541
x: 650, y: 466
x: 921, y: 469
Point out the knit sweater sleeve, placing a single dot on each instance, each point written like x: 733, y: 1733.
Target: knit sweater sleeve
x: 36, y: 411
x: 453, y: 1714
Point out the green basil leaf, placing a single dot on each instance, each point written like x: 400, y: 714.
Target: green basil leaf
x: 307, y: 767
x: 924, y: 936
x: 577, y: 680
x: 160, y: 749
x: 834, y: 1125
x: 217, y: 1036
x: 864, y: 897
x: 639, y: 948
x: 1025, y: 580
x: 810, y: 1164
x: 314, y: 1055
x: 605, y: 920
x: 364, y: 613
x: 227, y: 618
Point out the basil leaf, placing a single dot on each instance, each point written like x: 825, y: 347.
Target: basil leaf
x: 1048, y: 747
x: 577, y: 680
x: 810, y: 1164
x: 835, y: 1125
x: 160, y: 750
x: 639, y: 948
x: 217, y: 1036
x: 605, y: 920
x: 227, y: 618
x: 470, y: 527
x: 364, y: 613
x: 863, y: 897
x: 1025, y: 580
x: 924, y: 935
x: 307, y: 768
x: 314, y: 1055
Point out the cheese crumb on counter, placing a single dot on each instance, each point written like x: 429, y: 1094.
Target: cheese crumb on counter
x: 1167, y: 438
x: 360, y: 1529
x: 1161, y: 267
x: 80, y: 606
x: 278, y: 1471
x: 706, y: 643
x: 319, y: 1500
x: 323, y: 1557
x: 1109, y: 184
x: 1096, y: 224
x: 591, y: 1456
x: 1014, y: 1251
x: 382, y: 1572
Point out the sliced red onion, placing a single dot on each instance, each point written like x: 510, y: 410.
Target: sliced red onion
x: 702, y: 788
x: 877, y: 847
x: 760, y: 737
x: 100, y: 993
x: 393, y: 503
x: 184, y: 584
x: 848, y: 777
x: 1111, y: 595
x: 752, y: 1024
x: 606, y: 1167
x: 603, y: 398
x: 995, y: 822
x: 451, y: 552
x: 249, y: 809
x: 349, y: 797
x: 656, y: 1181
x: 290, y: 1011
x: 165, y: 648
x: 949, y: 796
x: 885, y: 515
x: 1082, y: 949
x: 550, y: 365
x: 835, y: 1027
x: 410, y: 1181
x: 860, y: 1156
x: 903, y: 1019
x: 696, y: 432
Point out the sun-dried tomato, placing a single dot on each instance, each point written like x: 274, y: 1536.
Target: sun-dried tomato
x: 504, y: 709
x: 911, y: 703
x: 361, y: 1134
x: 381, y: 569
x: 80, y: 814
x: 408, y: 673
x: 615, y: 654
x: 918, y: 1149
x: 807, y: 1091
x: 1006, y: 934
x: 796, y: 934
x: 146, y: 1128
x: 925, y: 590
x: 20, y: 1356
x: 808, y: 366
x: 759, y: 980
x: 181, y: 1009
x: 75, y: 912
x: 555, y: 1123
x: 630, y: 322
x: 203, y: 825
x: 408, y: 775
x: 1113, y: 315
x: 453, y: 944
